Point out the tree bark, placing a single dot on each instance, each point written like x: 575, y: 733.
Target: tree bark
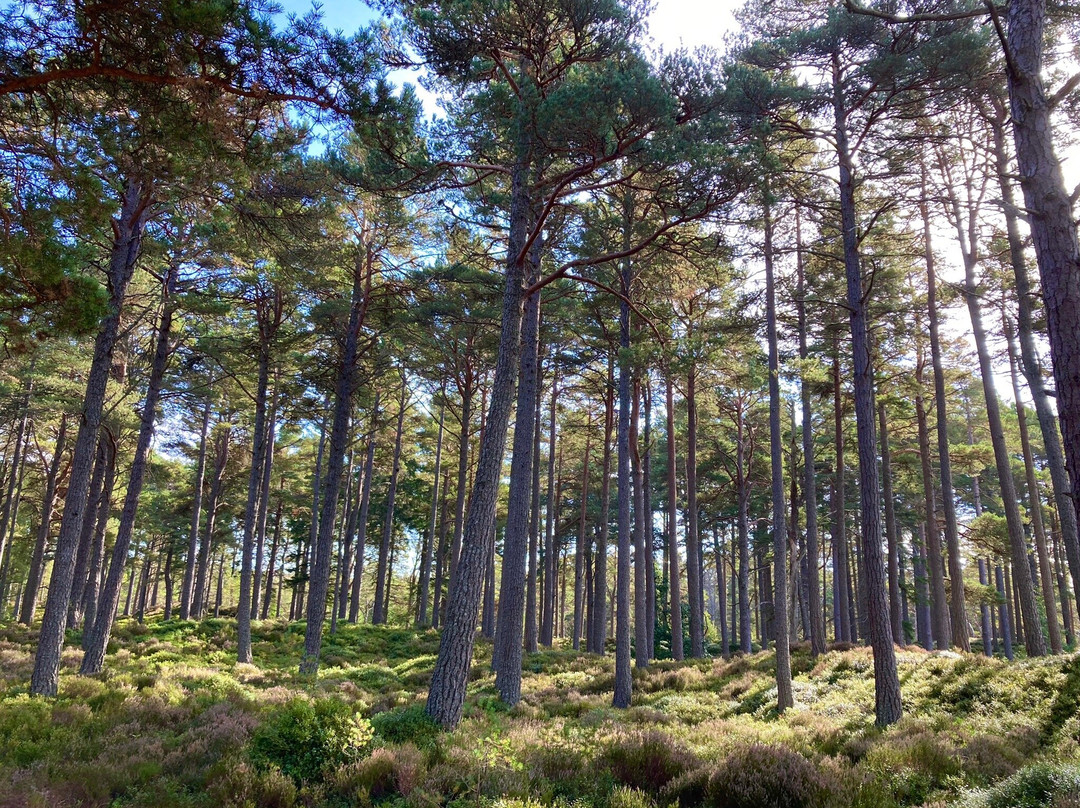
x: 425, y: 557
x: 784, y: 697
x: 196, y: 517
x: 94, y: 658
x: 345, y: 386
x: 579, y: 548
x: 100, y: 517
x: 888, y: 707
x: 675, y: 596
x: 202, y: 574
x: 48, y: 504
x: 362, y: 518
x: 598, y: 612
x: 623, y: 680
x: 446, y: 696
x: 385, y: 571
x: 547, y: 626
x: 127, y: 228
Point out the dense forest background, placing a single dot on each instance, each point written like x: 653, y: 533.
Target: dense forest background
x: 664, y: 355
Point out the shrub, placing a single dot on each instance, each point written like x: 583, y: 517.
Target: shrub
x: 758, y: 776
x: 406, y: 725
x: 385, y: 773
x: 623, y: 797
x: 647, y: 761
x: 305, y: 739
x: 1039, y: 786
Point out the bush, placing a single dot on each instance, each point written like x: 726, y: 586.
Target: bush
x: 406, y: 725
x: 760, y: 776
x: 306, y: 739
x: 1039, y: 786
x: 647, y: 761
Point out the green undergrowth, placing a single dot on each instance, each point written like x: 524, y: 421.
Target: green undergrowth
x: 174, y: 721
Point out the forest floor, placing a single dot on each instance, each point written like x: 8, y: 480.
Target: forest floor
x: 174, y: 721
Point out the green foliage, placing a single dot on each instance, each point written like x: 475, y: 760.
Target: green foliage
x: 760, y: 776
x: 406, y: 725
x: 1043, y: 785
x: 304, y: 739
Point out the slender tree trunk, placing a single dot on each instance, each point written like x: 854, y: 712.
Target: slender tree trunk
x: 1003, y: 613
x: 94, y: 658
x: 100, y: 517
x: 784, y: 697
x: 18, y: 461
x: 127, y: 228
x: 623, y: 680
x: 957, y: 612
x: 48, y: 504
x: 742, y: 484
x: 264, y: 503
x: 440, y: 556
x: 271, y: 567
x: 650, y: 570
x: 939, y: 605
x: 579, y: 548
x: 547, y: 626
x: 888, y: 706
x: 425, y: 557
x: 599, y: 611
x: 841, y: 606
x: 446, y: 696
x: 533, y: 584
x: 506, y: 653
x: 362, y: 519
x: 675, y: 596
x: 968, y: 241
x: 202, y: 574
x: 641, y: 632
x: 385, y: 571
x: 196, y: 516
x: 693, y: 534
x: 892, y: 537
x: 86, y: 538
x: 1046, y: 576
x: 984, y: 609
x: 467, y: 394
x: 339, y: 437
x: 817, y: 622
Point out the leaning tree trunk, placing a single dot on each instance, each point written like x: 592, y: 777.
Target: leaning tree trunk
x: 1050, y: 214
x: 784, y: 697
x: 1032, y: 367
x: 127, y: 228
x: 94, y: 658
x: 888, y: 706
x: 1034, y: 500
x: 339, y: 437
x: 968, y: 242
x: 446, y: 696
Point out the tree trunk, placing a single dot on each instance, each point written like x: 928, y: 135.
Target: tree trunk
x: 693, y: 534
x: 675, y: 596
x: 888, y: 707
x: 841, y: 606
x: 429, y: 542
x: 272, y: 562
x: 264, y: 503
x: 362, y: 519
x: 623, y: 680
x: 202, y: 574
x: 742, y: 485
x: 385, y: 572
x: 94, y: 658
x: 100, y: 517
x: 892, y: 537
x: 318, y: 589
x: 599, y: 610
x: 86, y: 537
x: 641, y: 631
x: 532, y: 586
x: 196, y: 517
x: 446, y: 696
x: 784, y: 697
x: 942, y: 626
x: 506, y: 653
x: 1053, y: 230
x: 1046, y: 576
x: 48, y: 503
x: 547, y: 626
x: 127, y: 229
x: 579, y: 548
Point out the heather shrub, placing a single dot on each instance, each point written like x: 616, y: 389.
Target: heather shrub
x: 758, y: 776
x: 304, y: 739
x: 406, y: 725
x: 623, y: 797
x: 384, y: 773
x: 1042, y: 785
x: 647, y: 761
